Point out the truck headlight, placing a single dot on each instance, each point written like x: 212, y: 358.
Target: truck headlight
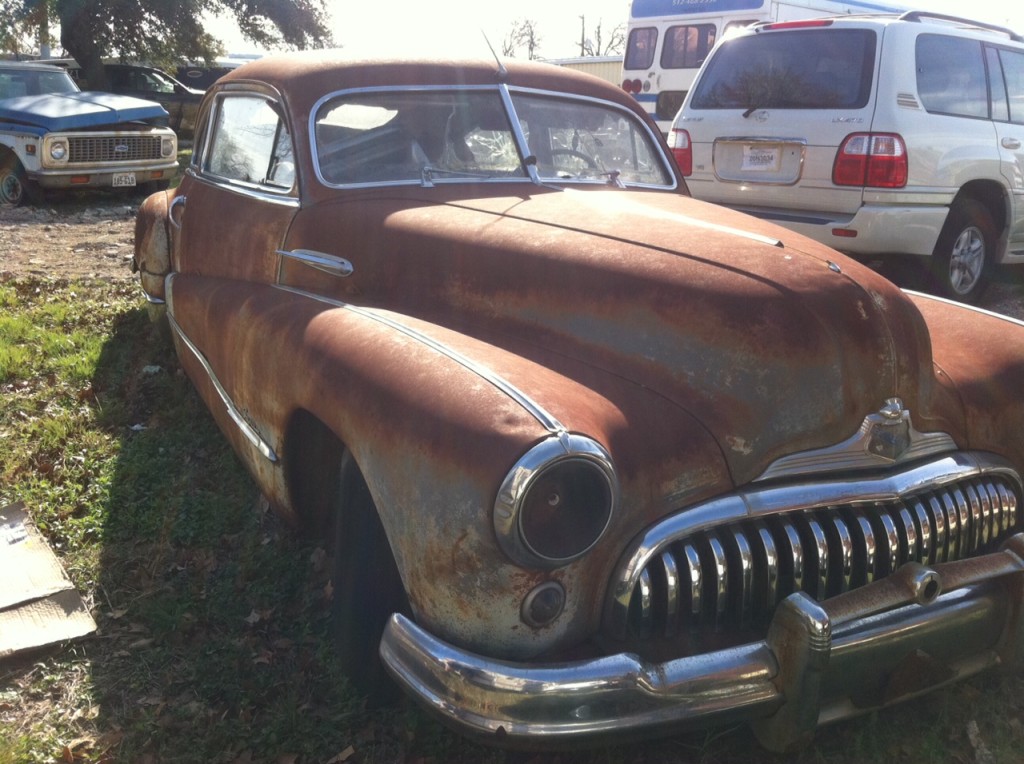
x: 168, y: 147
x: 556, y: 502
x: 58, y: 150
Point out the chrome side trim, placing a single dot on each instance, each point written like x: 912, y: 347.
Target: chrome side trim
x: 964, y: 306
x: 545, y: 419
x: 885, y: 438
x: 248, y: 430
x: 816, y: 660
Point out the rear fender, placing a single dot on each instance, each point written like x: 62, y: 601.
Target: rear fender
x: 152, y: 258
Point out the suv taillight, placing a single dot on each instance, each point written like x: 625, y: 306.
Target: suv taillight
x: 871, y: 160
x: 682, y: 150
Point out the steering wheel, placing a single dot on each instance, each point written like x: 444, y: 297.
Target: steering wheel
x: 588, y: 160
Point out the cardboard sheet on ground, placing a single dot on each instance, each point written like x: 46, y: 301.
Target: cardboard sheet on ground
x: 38, y: 604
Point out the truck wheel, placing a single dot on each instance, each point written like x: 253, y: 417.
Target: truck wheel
x: 367, y: 589
x: 962, y: 261
x: 15, y: 188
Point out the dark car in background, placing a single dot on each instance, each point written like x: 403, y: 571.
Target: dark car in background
x: 140, y: 81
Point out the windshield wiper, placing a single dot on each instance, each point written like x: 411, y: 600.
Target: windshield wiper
x: 614, y: 179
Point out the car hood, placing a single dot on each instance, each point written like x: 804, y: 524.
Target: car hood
x: 770, y: 342
x: 72, y: 111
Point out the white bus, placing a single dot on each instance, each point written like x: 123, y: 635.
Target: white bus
x: 668, y: 40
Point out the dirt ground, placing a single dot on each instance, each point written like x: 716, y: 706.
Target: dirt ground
x: 74, y: 238
x: 91, y: 235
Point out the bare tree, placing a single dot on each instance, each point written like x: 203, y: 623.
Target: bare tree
x: 597, y: 45
x: 523, y: 34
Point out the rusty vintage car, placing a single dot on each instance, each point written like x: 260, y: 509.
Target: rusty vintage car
x: 597, y: 458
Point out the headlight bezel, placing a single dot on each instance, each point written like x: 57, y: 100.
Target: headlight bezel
x: 575, y: 464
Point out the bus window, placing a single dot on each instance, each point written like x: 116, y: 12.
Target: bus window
x: 686, y: 47
x: 640, y: 48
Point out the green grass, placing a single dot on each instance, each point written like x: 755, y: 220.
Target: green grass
x: 213, y: 642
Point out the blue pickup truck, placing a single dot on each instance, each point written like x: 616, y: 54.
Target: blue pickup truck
x: 52, y: 135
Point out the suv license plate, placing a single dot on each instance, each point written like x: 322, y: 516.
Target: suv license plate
x: 760, y: 158
x: 124, y: 179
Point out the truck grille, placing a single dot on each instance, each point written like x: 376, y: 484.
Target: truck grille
x: 732, y: 576
x: 109, y: 148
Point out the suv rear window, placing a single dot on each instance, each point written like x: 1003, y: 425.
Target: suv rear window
x: 799, y: 69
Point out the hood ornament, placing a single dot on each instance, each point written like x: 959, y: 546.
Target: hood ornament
x: 884, y: 438
x: 888, y: 432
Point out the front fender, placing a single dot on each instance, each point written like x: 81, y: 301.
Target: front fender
x: 978, y: 353
x: 432, y: 440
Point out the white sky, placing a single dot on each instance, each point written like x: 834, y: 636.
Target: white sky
x: 453, y: 27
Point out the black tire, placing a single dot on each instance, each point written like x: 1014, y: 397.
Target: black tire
x: 962, y: 261
x: 367, y: 589
x: 15, y: 187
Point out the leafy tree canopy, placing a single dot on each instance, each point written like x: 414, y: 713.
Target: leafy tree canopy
x: 163, y: 31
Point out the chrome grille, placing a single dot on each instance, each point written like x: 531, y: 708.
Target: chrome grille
x: 733, y: 575
x: 92, y: 149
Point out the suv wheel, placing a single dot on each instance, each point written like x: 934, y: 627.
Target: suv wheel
x: 962, y: 261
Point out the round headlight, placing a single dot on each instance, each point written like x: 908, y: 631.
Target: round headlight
x: 565, y: 510
x: 167, y: 147
x: 556, y: 502
x: 58, y: 151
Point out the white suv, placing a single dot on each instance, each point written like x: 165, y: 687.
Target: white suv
x: 874, y: 134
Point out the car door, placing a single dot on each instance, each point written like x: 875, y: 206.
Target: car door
x: 243, y: 169
x: 1006, y: 68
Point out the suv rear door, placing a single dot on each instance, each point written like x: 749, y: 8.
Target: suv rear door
x: 770, y: 110
x: 1006, y: 72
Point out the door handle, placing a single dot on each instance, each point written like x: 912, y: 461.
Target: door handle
x: 335, y: 266
x: 1010, y: 143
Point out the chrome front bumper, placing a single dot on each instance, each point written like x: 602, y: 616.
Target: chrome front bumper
x: 918, y: 629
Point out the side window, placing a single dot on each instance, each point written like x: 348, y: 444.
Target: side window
x: 250, y: 144
x: 951, y: 76
x: 686, y: 47
x: 996, y: 86
x: 640, y: 48
x: 1013, y: 72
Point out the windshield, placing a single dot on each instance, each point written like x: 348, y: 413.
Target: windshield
x: 452, y: 135
x: 801, y: 69
x: 22, y: 82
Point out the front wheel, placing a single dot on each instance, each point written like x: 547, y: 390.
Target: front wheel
x: 367, y: 589
x: 962, y: 261
x: 15, y: 187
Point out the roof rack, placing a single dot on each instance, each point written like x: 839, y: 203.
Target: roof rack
x: 921, y: 15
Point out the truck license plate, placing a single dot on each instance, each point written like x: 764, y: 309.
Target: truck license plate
x: 124, y: 179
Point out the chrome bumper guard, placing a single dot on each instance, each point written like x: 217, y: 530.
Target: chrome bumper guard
x: 899, y: 637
